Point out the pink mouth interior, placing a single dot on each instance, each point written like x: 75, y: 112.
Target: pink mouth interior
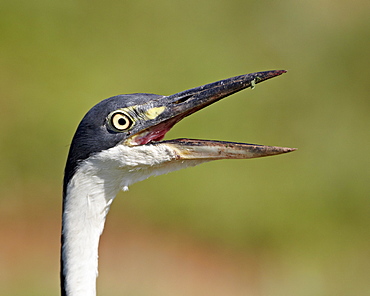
x: 155, y: 133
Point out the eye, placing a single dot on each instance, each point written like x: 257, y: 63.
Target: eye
x: 121, y: 121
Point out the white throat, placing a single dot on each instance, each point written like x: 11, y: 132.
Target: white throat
x: 88, y: 197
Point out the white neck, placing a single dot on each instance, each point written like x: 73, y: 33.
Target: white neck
x: 83, y: 222
x: 88, y: 197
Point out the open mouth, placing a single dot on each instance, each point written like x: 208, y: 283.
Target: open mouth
x: 176, y: 107
x: 155, y: 133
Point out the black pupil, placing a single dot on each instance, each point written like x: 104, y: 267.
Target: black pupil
x: 122, y: 121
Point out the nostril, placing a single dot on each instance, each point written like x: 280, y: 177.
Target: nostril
x: 183, y: 99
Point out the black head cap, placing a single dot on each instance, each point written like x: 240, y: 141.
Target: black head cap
x: 94, y: 134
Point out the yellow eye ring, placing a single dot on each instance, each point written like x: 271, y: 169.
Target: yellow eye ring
x: 120, y: 121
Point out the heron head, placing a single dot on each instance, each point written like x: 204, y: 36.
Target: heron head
x: 142, y: 119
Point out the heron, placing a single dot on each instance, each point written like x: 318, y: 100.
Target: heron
x: 120, y: 142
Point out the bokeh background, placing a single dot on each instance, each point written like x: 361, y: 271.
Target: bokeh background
x: 297, y: 224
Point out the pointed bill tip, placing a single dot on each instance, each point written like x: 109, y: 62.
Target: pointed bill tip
x: 281, y: 71
x: 261, y: 151
x: 250, y: 80
x: 264, y: 75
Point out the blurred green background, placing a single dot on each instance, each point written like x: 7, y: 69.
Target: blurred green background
x: 296, y: 224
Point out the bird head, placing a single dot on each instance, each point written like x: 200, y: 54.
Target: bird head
x: 140, y: 121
